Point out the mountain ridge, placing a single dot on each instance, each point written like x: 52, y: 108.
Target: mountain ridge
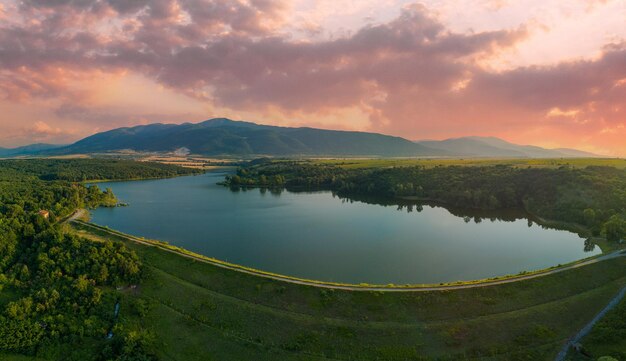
x: 477, y: 146
x: 226, y: 137
x: 29, y: 149
x: 222, y: 136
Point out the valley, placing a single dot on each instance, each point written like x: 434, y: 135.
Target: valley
x: 190, y: 306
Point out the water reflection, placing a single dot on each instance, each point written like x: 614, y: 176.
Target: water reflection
x: 589, y: 245
x: 328, y: 237
x: 475, y: 216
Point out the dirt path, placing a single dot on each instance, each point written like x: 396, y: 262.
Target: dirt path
x: 585, y: 330
x: 486, y: 283
x: 78, y: 214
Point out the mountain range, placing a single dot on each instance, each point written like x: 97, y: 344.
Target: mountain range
x: 28, y: 149
x: 221, y: 136
x: 496, y: 147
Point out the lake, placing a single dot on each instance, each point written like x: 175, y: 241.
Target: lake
x: 319, y: 236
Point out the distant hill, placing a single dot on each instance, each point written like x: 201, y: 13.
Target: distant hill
x: 29, y: 149
x: 227, y: 137
x: 496, y: 147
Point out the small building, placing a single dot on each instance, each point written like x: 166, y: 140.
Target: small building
x: 45, y: 214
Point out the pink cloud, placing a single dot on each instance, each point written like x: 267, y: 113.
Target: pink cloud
x: 43, y: 129
x: 411, y: 76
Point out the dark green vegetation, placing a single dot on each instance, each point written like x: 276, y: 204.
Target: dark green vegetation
x: 591, y: 198
x: 56, y: 295
x: 226, y: 137
x: 609, y: 335
x: 79, y: 170
x: 618, y: 163
x: 60, y: 281
x: 197, y: 311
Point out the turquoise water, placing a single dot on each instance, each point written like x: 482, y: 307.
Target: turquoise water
x: 319, y: 236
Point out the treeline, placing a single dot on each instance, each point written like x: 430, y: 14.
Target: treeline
x: 56, y: 288
x: 79, y: 170
x: 594, y: 197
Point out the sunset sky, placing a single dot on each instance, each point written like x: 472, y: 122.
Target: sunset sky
x: 544, y: 72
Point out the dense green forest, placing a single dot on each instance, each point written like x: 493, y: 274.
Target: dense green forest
x: 78, y: 170
x: 594, y: 197
x: 56, y: 288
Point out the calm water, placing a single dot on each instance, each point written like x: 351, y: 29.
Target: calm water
x: 318, y: 236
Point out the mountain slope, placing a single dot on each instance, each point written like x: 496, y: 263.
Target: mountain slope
x: 227, y: 137
x: 28, y: 149
x: 471, y: 148
x: 496, y: 147
x: 223, y: 136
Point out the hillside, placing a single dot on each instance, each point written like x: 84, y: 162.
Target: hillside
x: 496, y: 147
x: 227, y: 137
x: 28, y: 149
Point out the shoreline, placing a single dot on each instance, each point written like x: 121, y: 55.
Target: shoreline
x: 356, y: 287
x: 201, y: 172
x: 579, y: 229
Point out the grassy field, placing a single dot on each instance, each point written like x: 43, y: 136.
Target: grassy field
x: 434, y: 162
x: 608, y: 337
x: 201, y: 312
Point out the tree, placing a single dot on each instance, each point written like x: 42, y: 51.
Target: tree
x: 590, y: 216
x: 615, y: 228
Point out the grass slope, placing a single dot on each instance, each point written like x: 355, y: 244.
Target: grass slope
x: 608, y: 337
x: 202, y: 312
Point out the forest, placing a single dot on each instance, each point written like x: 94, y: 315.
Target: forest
x: 56, y: 288
x: 79, y: 170
x: 593, y: 197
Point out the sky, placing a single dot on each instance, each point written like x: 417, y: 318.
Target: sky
x: 545, y: 72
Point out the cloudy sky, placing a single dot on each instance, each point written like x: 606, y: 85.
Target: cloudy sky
x: 545, y: 72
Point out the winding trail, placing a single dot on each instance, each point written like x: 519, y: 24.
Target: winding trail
x: 585, y: 330
x: 351, y: 287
